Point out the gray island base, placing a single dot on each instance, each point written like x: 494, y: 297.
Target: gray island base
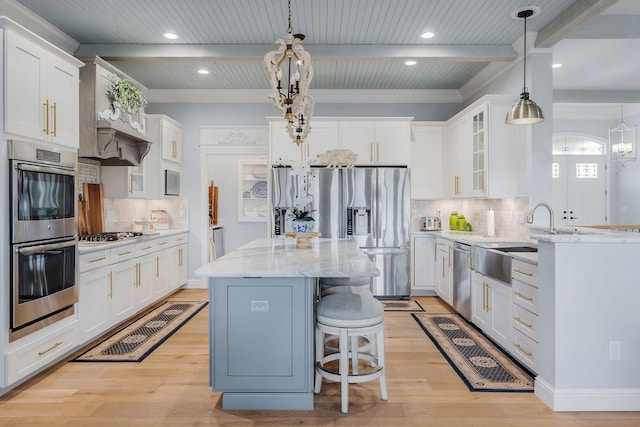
x: 262, y: 321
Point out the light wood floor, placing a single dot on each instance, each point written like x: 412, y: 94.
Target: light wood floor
x: 170, y: 387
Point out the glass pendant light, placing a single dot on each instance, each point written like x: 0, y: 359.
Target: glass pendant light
x: 525, y: 111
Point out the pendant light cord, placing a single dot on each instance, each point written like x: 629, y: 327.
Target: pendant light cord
x: 289, y: 30
x: 524, y: 74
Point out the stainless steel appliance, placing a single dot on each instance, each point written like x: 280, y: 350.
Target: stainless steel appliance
x: 171, y: 183
x: 430, y: 223
x: 43, y: 192
x: 43, y: 236
x: 462, y: 279
x: 369, y: 204
x: 494, y: 259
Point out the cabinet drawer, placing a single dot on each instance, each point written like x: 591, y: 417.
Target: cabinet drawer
x: 524, y: 349
x: 122, y: 253
x: 525, y: 295
x: 39, y: 353
x: 93, y: 260
x: 147, y: 247
x: 525, y: 322
x: 525, y: 272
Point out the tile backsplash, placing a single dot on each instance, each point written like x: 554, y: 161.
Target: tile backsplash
x: 509, y: 214
x: 121, y: 214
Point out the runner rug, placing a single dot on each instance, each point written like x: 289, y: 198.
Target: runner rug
x: 137, y: 340
x: 479, y: 363
x: 402, y: 305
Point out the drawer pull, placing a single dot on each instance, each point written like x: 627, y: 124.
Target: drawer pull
x: 146, y: 248
x: 162, y: 243
x: 526, y: 273
x: 180, y: 239
x: 522, y: 322
x: 125, y: 253
x: 528, y: 353
x: 523, y: 296
x: 97, y: 259
x: 43, y: 352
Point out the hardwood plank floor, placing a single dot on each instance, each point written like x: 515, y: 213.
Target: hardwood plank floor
x: 170, y: 388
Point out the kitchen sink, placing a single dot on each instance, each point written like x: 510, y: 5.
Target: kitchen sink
x: 493, y: 260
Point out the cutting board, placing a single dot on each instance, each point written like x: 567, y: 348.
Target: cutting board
x: 83, y: 227
x: 94, y: 207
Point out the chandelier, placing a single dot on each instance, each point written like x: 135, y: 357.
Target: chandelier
x: 289, y: 70
x: 622, y: 141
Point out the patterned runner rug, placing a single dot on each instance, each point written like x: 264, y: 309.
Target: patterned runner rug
x: 401, y: 305
x: 137, y: 340
x: 479, y: 363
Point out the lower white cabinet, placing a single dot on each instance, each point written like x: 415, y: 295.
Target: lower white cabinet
x: 423, y: 259
x: 524, y: 310
x: 127, y: 279
x: 443, y: 270
x: 491, y: 308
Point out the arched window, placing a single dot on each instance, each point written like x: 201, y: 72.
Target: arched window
x: 578, y: 145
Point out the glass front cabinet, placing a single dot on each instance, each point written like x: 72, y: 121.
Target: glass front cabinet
x: 253, y: 191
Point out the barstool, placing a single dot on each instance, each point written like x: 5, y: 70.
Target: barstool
x: 334, y: 285
x: 349, y: 317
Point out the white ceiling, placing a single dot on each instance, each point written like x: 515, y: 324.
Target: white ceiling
x: 354, y: 44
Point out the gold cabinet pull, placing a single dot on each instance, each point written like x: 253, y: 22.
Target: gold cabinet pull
x: 468, y: 261
x: 523, y: 296
x: 137, y: 274
x: 435, y: 251
x: 110, y: 284
x: 43, y: 352
x: 522, y: 322
x: 102, y: 258
x: 55, y: 119
x: 124, y: 253
x: 442, y: 266
x: 526, y: 273
x: 162, y: 243
x: 528, y: 353
x: 371, y: 151
x: 485, y: 303
x: 450, y: 256
x: 174, y: 150
x: 378, y: 151
x: 157, y: 266
x: 46, y: 117
x: 146, y: 248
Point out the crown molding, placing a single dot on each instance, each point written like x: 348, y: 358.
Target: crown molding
x: 443, y: 96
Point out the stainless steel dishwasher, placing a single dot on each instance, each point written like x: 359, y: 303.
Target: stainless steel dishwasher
x: 462, y: 279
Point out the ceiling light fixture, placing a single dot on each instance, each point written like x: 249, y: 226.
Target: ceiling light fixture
x: 410, y: 62
x: 556, y: 65
x: 291, y: 65
x: 428, y: 35
x: 525, y: 111
x: 203, y: 71
x: 170, y: 36
x: 622, y: 141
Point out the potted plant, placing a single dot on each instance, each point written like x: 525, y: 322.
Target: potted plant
x: 302, y: 220
x: 125, y: 95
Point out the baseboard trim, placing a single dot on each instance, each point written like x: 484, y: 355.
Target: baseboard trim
x: 195, y: 284
x: 587, y: 400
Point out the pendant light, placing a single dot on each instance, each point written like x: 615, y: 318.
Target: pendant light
x: 525, y: 111
x: 289, y: 70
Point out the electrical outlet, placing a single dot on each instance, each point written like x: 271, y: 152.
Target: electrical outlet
x: 615, y: 350
x: 259, y: 306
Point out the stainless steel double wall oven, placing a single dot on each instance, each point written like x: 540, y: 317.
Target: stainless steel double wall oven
x: 43, y: 236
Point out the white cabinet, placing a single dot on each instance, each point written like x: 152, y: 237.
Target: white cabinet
x: 122, y: 282
x: 491, y: 308
x: 524, y: 310
x: 423, y: 251
x: 380, y: 141
x: 377, y: 142
x: 252, y: 190
x: 443, y: 270
x: 124, y: 182
x: 171, y: 139
x: 93, y: 303
x: 426, y: 160
x: 146, y: 276
x: 483, y: 154
x: 41, y: 89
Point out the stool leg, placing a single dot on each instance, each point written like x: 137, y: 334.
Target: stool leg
x: 354, y: 354
x: 319, y: 357
x: 344, y: 369
x: 383, y: 381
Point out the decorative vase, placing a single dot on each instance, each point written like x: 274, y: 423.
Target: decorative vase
x: 302, y: 226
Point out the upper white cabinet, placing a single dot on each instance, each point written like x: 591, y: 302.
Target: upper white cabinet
x: 427, y: 145
x: 170, y: 132
x: 482, y: 154
x: 41, y: 89
x: 380, y: 141
x: 253, y: 176
x: 165, y: 153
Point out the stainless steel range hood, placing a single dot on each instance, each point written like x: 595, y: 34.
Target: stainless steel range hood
x: 115, y: 147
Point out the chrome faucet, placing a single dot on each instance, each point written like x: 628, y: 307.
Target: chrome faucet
x: 530, y: 215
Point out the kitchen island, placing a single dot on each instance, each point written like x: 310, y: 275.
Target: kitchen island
x: 262, y: 318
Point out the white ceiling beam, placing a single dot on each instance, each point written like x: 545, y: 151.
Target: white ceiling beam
x: 449, y: 53
x: 570, y: 20
x: 609, y: 27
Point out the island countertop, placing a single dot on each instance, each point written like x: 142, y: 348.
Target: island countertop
x: 279, y: 257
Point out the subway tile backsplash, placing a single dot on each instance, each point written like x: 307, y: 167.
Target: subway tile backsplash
x: 509, y: 214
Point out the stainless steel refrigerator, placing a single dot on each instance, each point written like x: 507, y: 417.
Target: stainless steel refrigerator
x: 370, y: 205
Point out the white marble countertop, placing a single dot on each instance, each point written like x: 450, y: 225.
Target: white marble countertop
x: 469, y: 237
x: 584, y: 235
x: 280, y: 258
x: 86, y: 247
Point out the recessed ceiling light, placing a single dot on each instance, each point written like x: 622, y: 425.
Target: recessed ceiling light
x: 410, y: 62
x: 556, y: 65
x: 203, y: 71
x: 428, y: 35
x: 170, y: 36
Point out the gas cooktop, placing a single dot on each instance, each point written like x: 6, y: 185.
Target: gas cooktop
x: 111, y: 236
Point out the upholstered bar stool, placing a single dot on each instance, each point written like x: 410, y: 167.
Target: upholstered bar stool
x: 334, y: 285
x: 350, y: 317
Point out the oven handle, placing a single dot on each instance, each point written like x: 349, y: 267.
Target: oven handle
x: 46, y: 169
x: 44, y: 248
